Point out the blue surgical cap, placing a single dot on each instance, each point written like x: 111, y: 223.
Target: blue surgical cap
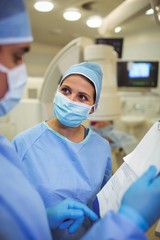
x: 91, y: 71
x: 14, y: 22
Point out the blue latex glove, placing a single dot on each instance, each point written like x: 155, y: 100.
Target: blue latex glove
x: 141, y: 202
x: 69, y: 214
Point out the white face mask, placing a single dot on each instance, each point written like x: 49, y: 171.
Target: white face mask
x: 17, y: 79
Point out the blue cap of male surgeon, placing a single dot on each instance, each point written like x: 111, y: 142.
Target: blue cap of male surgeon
x: 14, y: 22
x: 90, y: 70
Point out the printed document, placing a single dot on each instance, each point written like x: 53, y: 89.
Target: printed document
x: 146, y: 153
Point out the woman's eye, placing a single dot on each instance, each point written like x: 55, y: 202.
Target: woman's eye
x: 83, y: 98
x: 65, y: 91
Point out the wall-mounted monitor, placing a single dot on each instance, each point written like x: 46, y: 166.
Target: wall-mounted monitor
x: 141, y: 74
x: 117, y: 43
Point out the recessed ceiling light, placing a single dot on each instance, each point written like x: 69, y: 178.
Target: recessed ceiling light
x: 94, y: 22
x: 149, y: 11
x: 117, y: 29
x: 44, y: 6
x: 72, y: 15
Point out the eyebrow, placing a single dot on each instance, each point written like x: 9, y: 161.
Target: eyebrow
x: 83, y: 93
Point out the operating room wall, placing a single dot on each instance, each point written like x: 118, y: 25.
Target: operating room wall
x: 39, y: 57
x: 141, y: 46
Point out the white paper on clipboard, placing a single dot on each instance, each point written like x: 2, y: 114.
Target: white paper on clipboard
x: 135, y: 164
x: 110, y: 196
x: 147, y: 152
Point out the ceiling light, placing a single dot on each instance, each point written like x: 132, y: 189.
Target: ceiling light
x: 72, y: 15
x: 149, y: 11
x: 94, y: 22
x: 44, y: 6
x: 117, y: 29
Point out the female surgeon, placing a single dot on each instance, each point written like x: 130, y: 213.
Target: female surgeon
x: 22, y: 213
x: 63, y: 158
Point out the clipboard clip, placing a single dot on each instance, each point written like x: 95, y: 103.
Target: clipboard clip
x: 158, y: 125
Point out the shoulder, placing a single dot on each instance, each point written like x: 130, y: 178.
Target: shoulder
x: 32, y: 132
x: 27, y: 138
x: 8, y: 153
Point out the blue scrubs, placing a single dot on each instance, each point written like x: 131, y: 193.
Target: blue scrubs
x: 60, y: 168
x: 22, y: 213
x: 114, y: 227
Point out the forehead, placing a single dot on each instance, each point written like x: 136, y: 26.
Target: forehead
x: 78, y: 81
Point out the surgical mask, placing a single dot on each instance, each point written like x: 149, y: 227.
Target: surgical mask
x: 68, y: 112
x: 17, y: 79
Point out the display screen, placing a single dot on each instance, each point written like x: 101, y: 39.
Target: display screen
x: 137, y: 74
x: 117, y: 43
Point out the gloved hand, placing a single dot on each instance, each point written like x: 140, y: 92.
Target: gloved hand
x: 69, y: 214
x: 141, y: 202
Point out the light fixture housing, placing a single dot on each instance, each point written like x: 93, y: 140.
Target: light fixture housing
x: 72, y: 15
x: 44, y: 5
x: 94, y: 22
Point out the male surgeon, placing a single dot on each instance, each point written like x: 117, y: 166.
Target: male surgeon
x: 22, y: 213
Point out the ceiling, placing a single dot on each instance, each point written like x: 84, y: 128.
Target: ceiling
x: 50, y: 28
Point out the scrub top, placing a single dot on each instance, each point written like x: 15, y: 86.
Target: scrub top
x: 22, y: 212
x: 60, y: 168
